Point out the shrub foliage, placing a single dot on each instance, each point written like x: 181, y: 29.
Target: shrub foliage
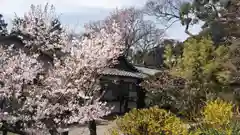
x: 150, y: 121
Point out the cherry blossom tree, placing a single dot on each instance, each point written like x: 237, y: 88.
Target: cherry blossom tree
x: 140, y: 34
x: 17, y: 70
x: 69, y: 91
x: 40, y: 30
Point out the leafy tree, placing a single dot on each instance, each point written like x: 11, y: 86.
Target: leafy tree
x: 3, y: 26
x: 220, y: 17
x: 153, y: 58
x: 204, y: 67
x: 203, y: 70
x: 221, y: 22
x: 202, y: 62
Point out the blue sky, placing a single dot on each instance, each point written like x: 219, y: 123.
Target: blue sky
x: 75, y: 13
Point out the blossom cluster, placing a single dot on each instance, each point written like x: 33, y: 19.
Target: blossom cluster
x: 69, y: 91
x: 40, y: 29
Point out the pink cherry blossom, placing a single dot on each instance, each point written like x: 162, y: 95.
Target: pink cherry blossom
x: 69, y: 91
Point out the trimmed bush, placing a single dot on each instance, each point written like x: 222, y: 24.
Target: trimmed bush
x: 152, y: 121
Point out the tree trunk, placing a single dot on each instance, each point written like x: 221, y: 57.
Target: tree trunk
x: 92, y: 127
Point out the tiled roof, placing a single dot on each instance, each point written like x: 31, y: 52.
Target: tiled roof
x: 143, y: 72
x: 147, y: 71
x: 114, y: 71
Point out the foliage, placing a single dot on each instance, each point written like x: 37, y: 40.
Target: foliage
x: 217, y: 119
x: 203, y: 63
x: 203, y: 66
x: 218, y: 113
x: 153, y: 57
x: 220, y: 18
x: 233, y: 128
x: 3, y: 26
x: 168, y: 55
x: 211, y: 131
x: 164, y: 90
x: 198, y: 74
x: 150, y: 121
x: 68, y: 92
x: 221, y: 22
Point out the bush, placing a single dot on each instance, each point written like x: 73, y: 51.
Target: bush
x: 152, y: 121
x: 210, y: 131
x: 218, y: 112
x: 217, y: 119
x: 234, y: 129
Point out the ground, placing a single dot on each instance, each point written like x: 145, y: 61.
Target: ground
x: 101, y: 129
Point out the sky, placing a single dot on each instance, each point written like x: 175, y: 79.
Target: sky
x: 75, y: 13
